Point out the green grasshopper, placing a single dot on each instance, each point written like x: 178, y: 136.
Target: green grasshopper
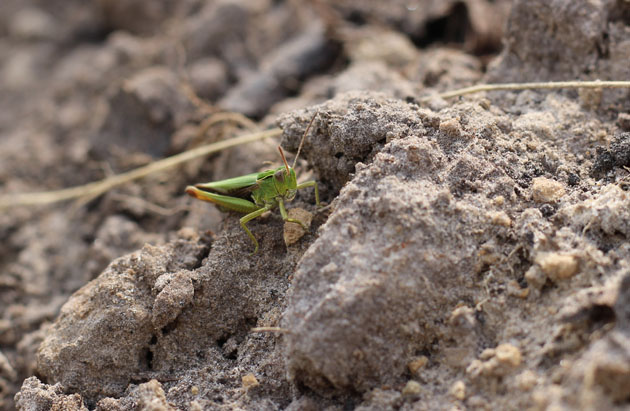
x: 268, y: 189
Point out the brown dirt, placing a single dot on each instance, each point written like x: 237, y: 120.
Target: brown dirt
x: 473, y: 253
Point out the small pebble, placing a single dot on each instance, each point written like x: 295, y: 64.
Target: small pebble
x: 412, y: 389
x: 249, y: 381
x: 557, y: 266
x: 508, y: 354
x: 416, y: 364
x: 500, y: 218
x: 451, y: 127
x: 458, y: 390
x: 545, y: 190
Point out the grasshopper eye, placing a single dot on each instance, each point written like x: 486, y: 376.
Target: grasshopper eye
x: 279, y: 176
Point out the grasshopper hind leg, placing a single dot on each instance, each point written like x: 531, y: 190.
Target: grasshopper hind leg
x: 245, y: 219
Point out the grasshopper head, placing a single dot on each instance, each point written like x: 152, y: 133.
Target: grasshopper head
x: 287, y: 178
x: 291, y: 181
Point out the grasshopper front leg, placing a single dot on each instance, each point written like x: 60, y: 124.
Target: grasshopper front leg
x: 285, y: 215
x: 310, y: 184
x: 245, y: 219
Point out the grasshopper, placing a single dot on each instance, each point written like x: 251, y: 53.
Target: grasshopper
x: 267, y: 189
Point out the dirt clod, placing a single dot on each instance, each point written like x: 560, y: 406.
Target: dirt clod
x: 618, y: 155
x: 458, y: 390
x: 294, y: 231
x: 557, y: 266
x: 545, y: 190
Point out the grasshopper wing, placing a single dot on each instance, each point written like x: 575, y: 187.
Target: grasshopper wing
x: 231, y: 185
x: 240, y: 187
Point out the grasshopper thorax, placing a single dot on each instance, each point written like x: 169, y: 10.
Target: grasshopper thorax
x: 291, y: 184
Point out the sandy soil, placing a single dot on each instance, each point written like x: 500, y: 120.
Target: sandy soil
x: 472, y: 253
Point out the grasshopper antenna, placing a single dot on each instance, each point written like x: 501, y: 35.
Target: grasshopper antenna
x: 297, y: 155
x: 284, y: 159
